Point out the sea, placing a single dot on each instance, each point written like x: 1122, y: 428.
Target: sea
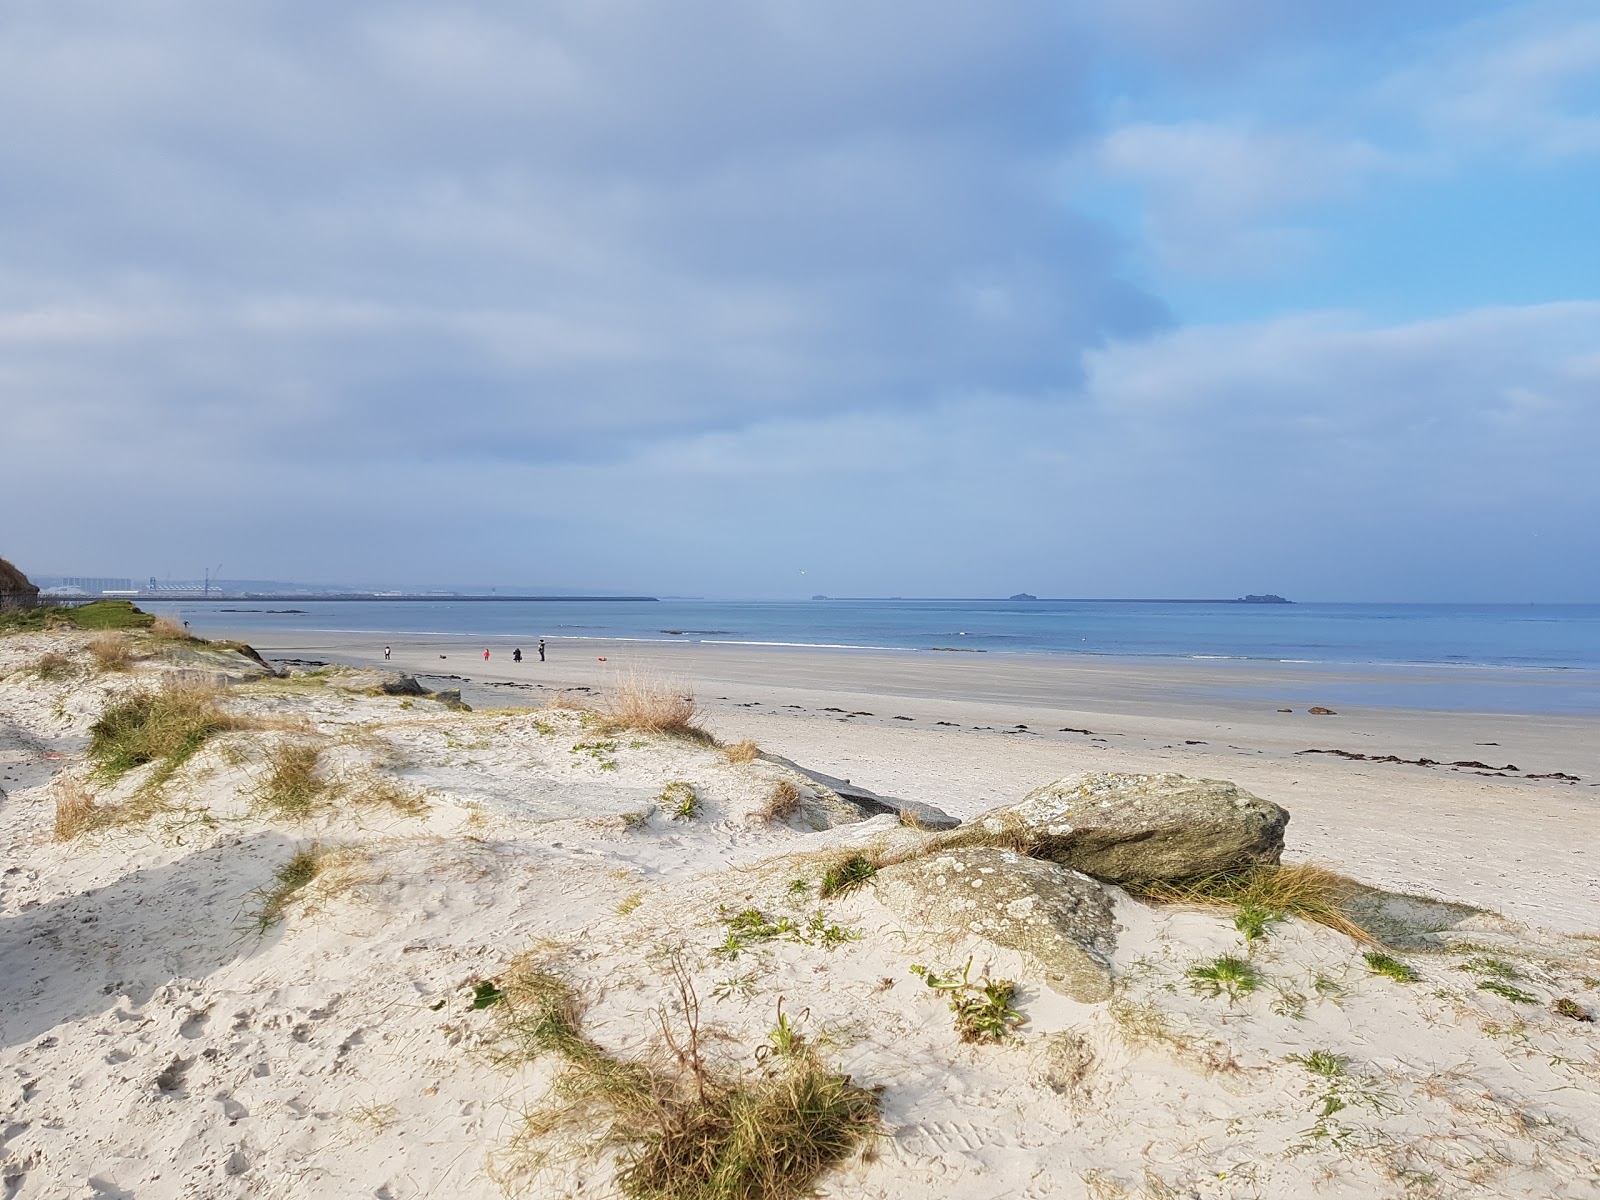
x: 1473, y: 657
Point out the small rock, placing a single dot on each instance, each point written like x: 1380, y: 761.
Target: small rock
x: 1318, y: 711
x: 1059, y: 917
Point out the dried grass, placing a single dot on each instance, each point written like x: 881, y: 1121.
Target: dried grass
x: 782, y: 803
x: 291, y: 878
x: 644, y: 705
x: 111, y: 652
x: 742, y: 752
x: 77, y: 812
x: 53, y: 667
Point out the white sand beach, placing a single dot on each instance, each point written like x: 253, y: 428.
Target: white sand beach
x: 173, y: 1023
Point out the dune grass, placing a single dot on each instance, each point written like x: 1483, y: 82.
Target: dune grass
x: 640, y: 704
x: 289, y: 880
x: 167, y: 728
x: 846, y: 875
x: 53, y: 667
x: 77, y: 811
x: 781, y: 803
x: 685, y: 1130
x: 293, y: 789
x: 111, y: 652
x: 742, y: 752
x: 1266, y: 894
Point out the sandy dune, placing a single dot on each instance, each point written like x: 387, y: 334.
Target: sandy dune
x: 157, y: 1039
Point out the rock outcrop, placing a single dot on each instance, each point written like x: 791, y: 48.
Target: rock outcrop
x: 915, y: 813
x: 1056, y: 915
x: 1127, y: 828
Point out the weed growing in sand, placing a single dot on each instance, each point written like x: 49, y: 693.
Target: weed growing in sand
x: 799, y: 887
x: 52, y: 668
x: 686, y: 1131
x: 982, y: 1006
x: 291, y: 878
x: 292, y: 789
x: 1571, y: 1009
x: 486, y: 992
x: 1225, y: 975
x: 845, y: 877
x: 628, y: 903
x: 1509, y: 991
x: 742, y: 986
x: 167, y: 727
x: 390, y: 794
x: 1299, y: 890
x: 1384, y: 964
x: 680, y: 800
x: 1334, y: 1090
x: 781, y: 803
x: 1495, y: 968
x: 751, y: 927
x: 600, y: 749
x: 635, y: 821
x: 1252, y: 920
x: 741, y: 752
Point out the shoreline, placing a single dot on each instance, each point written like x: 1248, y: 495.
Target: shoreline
x: 965, y: 732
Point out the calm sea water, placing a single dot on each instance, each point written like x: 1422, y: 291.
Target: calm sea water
x: 1544, y: 657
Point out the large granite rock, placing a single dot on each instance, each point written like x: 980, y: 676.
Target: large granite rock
x: 1055, y: 915
x: 1136, y: 828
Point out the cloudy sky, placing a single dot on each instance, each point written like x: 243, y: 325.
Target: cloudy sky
x: 773, y: 297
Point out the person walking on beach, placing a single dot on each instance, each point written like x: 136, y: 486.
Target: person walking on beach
x: 386, y: 654
x: 516, y: 655
x: 541, y: 649
x: 485, y: 656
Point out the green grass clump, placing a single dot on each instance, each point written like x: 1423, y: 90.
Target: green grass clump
x: 290, y: 878
x: 1384, y: 964
x: 1253, y: 919
x: 680, y: 801
x: 847, y: 876
x: 166, y: 727
x: 1494, y: 967
x: 751, y: 926
x: 1227, y: 975
x: 1323, y: 1063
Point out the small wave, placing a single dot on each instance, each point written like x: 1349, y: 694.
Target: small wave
x: 803, y: 645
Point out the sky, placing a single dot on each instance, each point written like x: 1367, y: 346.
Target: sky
x: 770, y: 298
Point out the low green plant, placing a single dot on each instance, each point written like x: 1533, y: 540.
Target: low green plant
x: 1493, y: 967
x: 1323, y: 1063
x: 98, y: 614
x: 1384, y: 964
x: 485, y: 992
x: 1509, y: 991
x: 846, y: 876
x: 784, y: 1040
x: 1225, y: 975
x: 680, y: 801
x: 799, y: 887
x: 982, y: 1006
x: 1252, y: 919
x: 750, y: 926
